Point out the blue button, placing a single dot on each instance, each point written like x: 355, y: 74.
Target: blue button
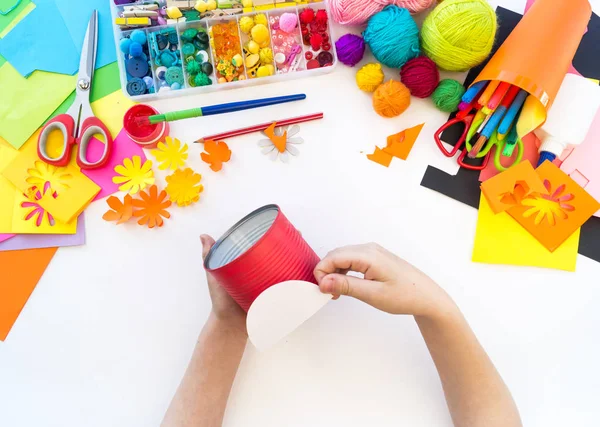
x: 137, y: 67
x: 136, y: 87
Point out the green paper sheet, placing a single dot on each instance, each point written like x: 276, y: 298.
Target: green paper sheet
x: 5, y: 20
x: 106, y: 81
x: 2, y: 60
x: 27, y: 103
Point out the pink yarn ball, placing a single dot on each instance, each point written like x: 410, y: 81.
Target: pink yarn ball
x: 288, y: 22
x: 355, y: 12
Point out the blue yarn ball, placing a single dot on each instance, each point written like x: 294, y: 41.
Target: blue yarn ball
x: 393, y: 36
x: 138, y: 36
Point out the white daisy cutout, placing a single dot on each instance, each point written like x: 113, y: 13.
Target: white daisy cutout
x: 270, y: 146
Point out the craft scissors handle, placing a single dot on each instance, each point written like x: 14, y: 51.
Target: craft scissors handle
x: 462, y: 164
x: 65, y: 124
x: 467, y: 120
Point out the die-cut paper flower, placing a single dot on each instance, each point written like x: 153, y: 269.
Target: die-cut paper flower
x: 151, y: 207
x: 120, y: 212
x: 282, y: 143
x: 216, y: 154
x: 170, y: 155
x: 44, y: 173
x: 183, y: 187
x: 553, y: 207
x: 134, y: 175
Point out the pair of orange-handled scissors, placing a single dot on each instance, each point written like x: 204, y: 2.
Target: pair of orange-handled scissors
x: 79, y: 124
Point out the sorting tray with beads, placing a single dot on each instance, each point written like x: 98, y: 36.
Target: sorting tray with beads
x: 160, y: 56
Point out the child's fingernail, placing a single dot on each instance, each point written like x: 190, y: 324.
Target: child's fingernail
x: 202, y: 239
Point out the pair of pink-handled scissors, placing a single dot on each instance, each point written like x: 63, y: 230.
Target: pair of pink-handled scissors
x: 79, y: 124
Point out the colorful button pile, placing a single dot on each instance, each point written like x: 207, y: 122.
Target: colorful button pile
x: 257, y: 46
x: 137, y: 64
x: 195, y: 45
x: 287, y: 43
x: 227, y: 51
x: 314, y: 34
x: 164, y: 46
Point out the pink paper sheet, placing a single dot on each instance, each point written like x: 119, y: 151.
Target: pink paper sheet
x: 582, y: 164
x: 4, y: 237
x: 123, y: 147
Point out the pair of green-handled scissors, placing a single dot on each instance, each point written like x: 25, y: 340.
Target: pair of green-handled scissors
x: 512, y: 141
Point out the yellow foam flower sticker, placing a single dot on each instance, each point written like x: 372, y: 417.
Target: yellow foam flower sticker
x: 183, y: 187
x: 170, y: 155
x: 134, y: 175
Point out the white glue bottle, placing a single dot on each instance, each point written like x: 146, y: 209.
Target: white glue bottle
x: 570, y: 116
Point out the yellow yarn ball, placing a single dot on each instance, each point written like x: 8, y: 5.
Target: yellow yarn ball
x: 260, y: 34
x: 261, y: 18
x: 246, y: 24
x: 369, y: 77
x: 391, y: 99
x: 266, y: 55
x: 459, y: 34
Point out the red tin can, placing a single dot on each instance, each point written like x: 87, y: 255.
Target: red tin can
x: 261, y: 250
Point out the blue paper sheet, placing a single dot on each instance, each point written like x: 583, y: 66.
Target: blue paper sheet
x: 50, y: 37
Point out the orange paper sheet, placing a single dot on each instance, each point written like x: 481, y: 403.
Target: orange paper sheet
x: 381, y: 157
x: 552, y: 218
x: 510, y: 187
x: 21, y: 271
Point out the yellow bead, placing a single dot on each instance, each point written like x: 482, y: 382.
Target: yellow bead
x: 265, y: 70
x: 237, y: 60
x: 222, y: 80
x: 174, y: 12
x: 201, y: 6
x: 246, y: 3
x: 253, y: 47
x: 260, y: 34
x: 211, y: 5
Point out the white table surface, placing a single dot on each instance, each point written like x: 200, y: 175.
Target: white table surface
x: 106, y: 336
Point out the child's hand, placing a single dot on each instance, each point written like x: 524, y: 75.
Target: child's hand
x: 390, y: 283
x: 225, y: 309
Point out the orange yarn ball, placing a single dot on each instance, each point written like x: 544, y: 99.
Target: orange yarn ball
x: 391, y: 99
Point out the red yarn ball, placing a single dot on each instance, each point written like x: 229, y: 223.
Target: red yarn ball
x: 307, y: 16
x: 420, y: 75
x: 315, y: 41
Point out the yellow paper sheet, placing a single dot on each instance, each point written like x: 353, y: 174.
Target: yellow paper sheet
x: 27, y: 103
x: 12, y: 215
x: 75, y: 190
x: 111, y: 110
x: 500, y: 239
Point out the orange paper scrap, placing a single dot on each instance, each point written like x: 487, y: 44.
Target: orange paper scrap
x: 216, y: 154
x: 400, y: 144
x: 120, y: 212
x: 381, y: 157
x: 21, y: 271
x: 553, y: 217
x: 509, y: 188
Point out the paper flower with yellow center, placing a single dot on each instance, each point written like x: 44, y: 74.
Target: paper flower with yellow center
x: 170, y: 154
x: 183, y: 187
x: 43, y: 174
x: 152, y: 207
x: 134, y: 175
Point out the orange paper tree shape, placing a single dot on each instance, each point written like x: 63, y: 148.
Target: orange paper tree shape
x: 398, y: 145
x: 120, y: 212
x: 133, y: 175
x: 510, y: 187
x: 551, y: 217
x: 170, y: 154
x: 183, y: 187
x: 152, y: 207
x: 216, y: 153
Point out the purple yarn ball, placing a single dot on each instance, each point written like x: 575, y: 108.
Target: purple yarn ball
x: 350, y: 49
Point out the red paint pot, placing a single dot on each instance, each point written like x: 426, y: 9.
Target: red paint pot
x: 148, y: 136
x: 261, y: 250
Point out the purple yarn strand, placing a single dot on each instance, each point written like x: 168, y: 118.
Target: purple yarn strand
x: 350, y: 49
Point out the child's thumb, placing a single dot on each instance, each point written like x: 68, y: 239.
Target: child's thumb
x: 341, y: 284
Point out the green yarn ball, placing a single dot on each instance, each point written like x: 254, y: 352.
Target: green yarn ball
x: 193, y: 68
x: 459, y: 34
x: 447, y: 95
x: 202, y: 80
